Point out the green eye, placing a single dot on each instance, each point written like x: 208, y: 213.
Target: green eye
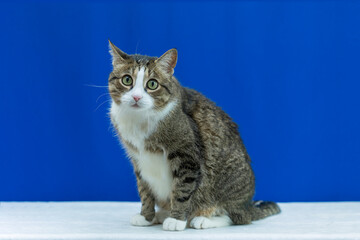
x: 127, y: 80
x: 152, y: 84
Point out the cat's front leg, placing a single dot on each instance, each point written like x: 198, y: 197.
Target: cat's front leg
x: 187, y: 175
x: 147, y: 214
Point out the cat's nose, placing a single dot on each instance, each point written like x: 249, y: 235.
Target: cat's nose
x: 136, y: 98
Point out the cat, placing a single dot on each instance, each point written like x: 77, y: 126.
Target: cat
x: 188, y: 157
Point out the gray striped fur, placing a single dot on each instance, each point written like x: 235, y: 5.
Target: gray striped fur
x: 210, y: 166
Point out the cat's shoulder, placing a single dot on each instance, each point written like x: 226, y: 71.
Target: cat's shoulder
x: 193, y: 100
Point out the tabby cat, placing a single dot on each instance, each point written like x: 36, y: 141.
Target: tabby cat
x: 188, y: 157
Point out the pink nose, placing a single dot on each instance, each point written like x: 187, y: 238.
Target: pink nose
x: 136, y: 98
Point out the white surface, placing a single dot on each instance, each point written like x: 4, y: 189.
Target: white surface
x: 111, y: 220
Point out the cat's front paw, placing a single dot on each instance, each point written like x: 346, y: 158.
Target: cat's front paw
x: 172, y: 224
x: 139, y: 220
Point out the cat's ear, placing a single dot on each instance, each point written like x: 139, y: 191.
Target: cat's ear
x: 167, y: 61
x: 118, y: 56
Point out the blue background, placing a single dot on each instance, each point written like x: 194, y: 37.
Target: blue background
x: 286, y: 71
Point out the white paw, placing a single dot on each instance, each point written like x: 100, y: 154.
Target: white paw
x: 172, y: 224
x: 201, y: 223
x: 139, y: 220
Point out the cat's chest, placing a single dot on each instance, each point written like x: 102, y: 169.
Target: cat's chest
x: 155, y: 170
x: 135, y: 133
x: 153, y: 165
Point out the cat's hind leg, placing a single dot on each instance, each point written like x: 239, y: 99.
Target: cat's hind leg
x: 210, y: 218
x: 201, y: 222
x: 161, y: 215
x: 239, y: 213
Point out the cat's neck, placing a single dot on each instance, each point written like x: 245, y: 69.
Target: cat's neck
x: 135, y: 126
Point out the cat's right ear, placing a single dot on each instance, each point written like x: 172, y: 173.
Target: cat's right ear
x: 167, y: 61
x: 118, y: 56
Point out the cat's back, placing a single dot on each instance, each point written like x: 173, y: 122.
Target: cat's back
x: 215, y: 126
x: 226, y: 161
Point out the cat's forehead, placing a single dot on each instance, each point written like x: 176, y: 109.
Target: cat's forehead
x: 137, y: 62
x: 142, y: 60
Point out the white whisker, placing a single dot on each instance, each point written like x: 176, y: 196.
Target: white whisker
x: 102, y: 104
x: 104, y: 94
x: 91, y: 85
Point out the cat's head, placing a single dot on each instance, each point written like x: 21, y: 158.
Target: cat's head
x: 140, y: 82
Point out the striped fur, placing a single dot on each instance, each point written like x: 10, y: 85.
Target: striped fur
x: 188, y: 156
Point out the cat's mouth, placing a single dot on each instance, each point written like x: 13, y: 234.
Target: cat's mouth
x: 135, y: 105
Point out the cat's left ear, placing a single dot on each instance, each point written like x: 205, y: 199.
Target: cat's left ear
x: 118, y: 56
x: 167, y: 61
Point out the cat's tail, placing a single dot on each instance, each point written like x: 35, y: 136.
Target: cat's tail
x: 262, y: 209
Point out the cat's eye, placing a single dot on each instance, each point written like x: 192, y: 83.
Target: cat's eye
x: 152, y: 84
x: 127, y: 80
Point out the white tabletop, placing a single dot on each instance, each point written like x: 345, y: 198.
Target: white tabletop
x: 110, y: 220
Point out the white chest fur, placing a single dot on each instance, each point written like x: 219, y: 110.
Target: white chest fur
x: 155, y: 170
x: 136, y: 128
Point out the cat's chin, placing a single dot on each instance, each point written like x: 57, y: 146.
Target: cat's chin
x: 136, y: 106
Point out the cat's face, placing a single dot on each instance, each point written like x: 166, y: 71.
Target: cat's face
x: 140, y: 83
